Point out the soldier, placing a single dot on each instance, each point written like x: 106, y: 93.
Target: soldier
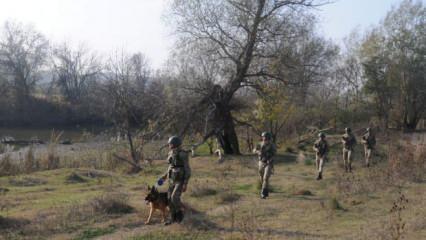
x: 348, y: 141
x: 321, y: 149
x: 369, y: 141
x: 266, y: 152
x: 178, y: 174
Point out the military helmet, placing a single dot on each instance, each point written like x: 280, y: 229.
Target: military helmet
x: 321, y: 135
x: 348, y: 129
x: 175, y: 141
x: 267, y: 135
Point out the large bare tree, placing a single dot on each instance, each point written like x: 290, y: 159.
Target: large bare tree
x: 23, y: 52
x: 125, y: 98
x: 240, y: 38
x: 74, y: 70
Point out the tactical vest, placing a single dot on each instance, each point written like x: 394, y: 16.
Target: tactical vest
x: 266, y: 152
x: 177, y: 171
x: 370, y: 139
x: 349, y: 140
x: 321, y: 146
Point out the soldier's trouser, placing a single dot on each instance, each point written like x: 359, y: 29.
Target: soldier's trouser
x: 265, y: 171
x: 367, y: 152
x: 320, y: 162
x: 347, y: 157
x: 174, y: 193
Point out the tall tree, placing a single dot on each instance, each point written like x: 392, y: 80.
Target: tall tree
x: 124, y: 99
x: 238, y: 37
x: 74, y: 70
x: 394, y: 61
x: 23, y: 52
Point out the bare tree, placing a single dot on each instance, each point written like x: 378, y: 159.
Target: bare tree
x: 23, y: 52
x: 74, y: 70
x: 124, y: 99
x: 239, y: 37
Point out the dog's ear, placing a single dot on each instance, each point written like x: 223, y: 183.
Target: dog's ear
x: 153, y: 189
x: 149, y: 188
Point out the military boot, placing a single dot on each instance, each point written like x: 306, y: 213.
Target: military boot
x: 350, y: 168
x: 179, y: 216
x: 319, y: 176
x: 264, y: 193
x: 172, y: 220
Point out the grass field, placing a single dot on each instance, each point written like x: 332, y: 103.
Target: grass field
x: 222, y: 203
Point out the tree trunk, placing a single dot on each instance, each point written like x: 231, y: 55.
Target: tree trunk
x: 410, y: 124
x: 227, y: 138
x: 135, y: 158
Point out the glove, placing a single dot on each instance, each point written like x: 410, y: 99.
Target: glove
x: 160, y: 182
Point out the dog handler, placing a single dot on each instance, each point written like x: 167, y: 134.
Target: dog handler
x: 178, y: 174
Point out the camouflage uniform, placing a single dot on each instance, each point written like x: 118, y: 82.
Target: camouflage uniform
x: 178, y: 174
x: 321, y: 149
x: 348, y: 141
x: 266, y: 153
x: 369, y: 141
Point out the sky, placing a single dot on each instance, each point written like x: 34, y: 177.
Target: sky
x: 137, y: 25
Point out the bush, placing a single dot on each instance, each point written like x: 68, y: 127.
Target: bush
x: 26, y: 182
x: 30, y: 163
x: 407, y: 162
x: 228, y: 197
x: 74, y: 178
x: 52, y: 160
x: 6, y: 166
x: 202, y: 191
x: 111, y: 203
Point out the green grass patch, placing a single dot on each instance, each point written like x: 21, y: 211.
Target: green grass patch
x: 176, y: 236
x: 203, y: 150
x: 309, y: 162
x: 244, y: 187
x: 91, y: 233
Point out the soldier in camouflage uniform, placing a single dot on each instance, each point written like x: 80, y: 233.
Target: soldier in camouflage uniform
x: 266, y: 152
x: 178, y: 174
x: 348, y: 141
x: 321, y: 150
x: 369, y: 141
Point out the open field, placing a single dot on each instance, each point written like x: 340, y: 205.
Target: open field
x: 222, y: 202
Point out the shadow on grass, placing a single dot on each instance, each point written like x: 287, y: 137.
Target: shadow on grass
x: 7, y: 223
x: 285, y: 158
x: 196, y: 220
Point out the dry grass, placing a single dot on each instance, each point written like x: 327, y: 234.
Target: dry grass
x: 223, y: 203
x: 7, y: 168
x: 111, y: 203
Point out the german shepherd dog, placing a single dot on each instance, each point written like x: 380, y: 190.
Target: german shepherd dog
x: 157, y: 200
